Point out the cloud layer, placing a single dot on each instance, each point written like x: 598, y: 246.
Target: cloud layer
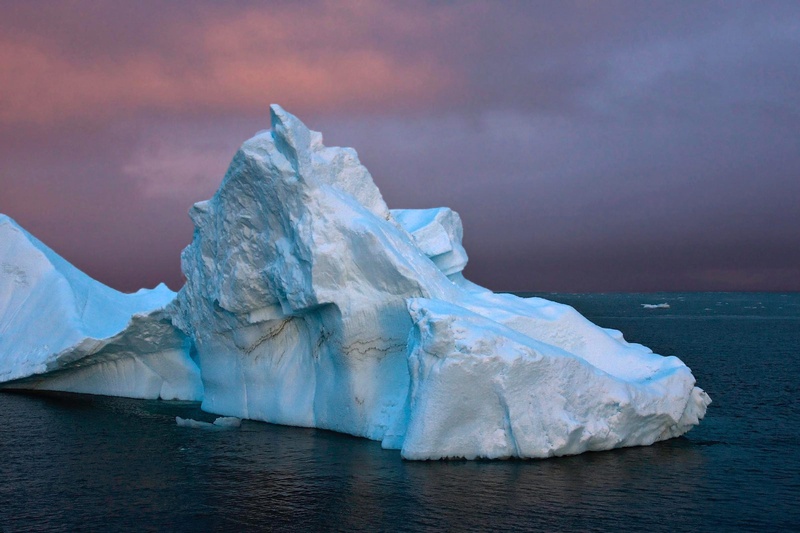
x: 587, y: 145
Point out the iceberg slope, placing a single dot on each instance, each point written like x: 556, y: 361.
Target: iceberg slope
x: 312, y: 304
x: 61, y: 330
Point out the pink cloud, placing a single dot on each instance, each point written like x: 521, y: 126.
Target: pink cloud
x: 225, y: 62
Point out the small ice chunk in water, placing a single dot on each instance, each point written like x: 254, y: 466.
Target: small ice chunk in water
x: 223, y: 422
x: 228, y: 422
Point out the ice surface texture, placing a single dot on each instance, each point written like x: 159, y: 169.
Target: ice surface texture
x: 61, y: 330
x: 312, y: 304
x: 309, y: 303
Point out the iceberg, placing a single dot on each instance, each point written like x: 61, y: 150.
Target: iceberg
x: 312, y: 304
x: 308, y: 302
x: 60, y: 330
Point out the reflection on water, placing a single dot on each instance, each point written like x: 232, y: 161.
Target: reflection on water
x: 77, y: 462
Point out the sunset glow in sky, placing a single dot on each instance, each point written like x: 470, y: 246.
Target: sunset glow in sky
x: 588, y: 146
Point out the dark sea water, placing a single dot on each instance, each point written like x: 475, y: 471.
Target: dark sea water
x: 75, y: 463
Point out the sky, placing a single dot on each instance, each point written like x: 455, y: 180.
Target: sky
x: 589, y: 146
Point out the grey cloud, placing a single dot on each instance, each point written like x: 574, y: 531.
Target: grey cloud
x: 590, y: 146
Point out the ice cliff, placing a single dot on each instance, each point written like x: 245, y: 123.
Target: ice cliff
x: 61, y: 330
x: 308, y: 302
x: 312, y: 304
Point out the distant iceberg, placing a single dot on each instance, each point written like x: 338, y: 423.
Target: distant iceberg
x: 664, y: 305
x: 309, y: 302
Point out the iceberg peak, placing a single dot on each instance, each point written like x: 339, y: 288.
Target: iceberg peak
x: 292, y: 138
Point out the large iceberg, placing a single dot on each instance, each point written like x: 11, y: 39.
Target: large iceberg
x: 60, y: 330
x: 308, y: 302
x: 312, y: 304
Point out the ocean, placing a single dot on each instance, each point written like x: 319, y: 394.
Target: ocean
x: 90, y: 463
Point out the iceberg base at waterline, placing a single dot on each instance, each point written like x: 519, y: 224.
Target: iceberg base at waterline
x: 309, y: 302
